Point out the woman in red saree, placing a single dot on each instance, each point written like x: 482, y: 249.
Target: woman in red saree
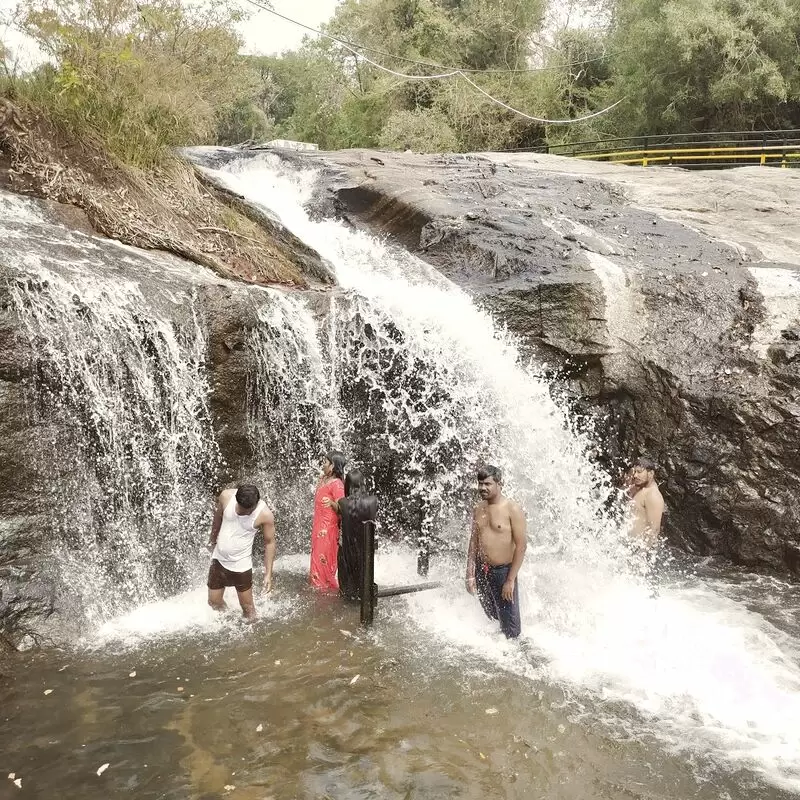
x: 325, y: 529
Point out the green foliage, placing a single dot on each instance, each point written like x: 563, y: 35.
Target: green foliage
x: 144, y: 77
x: 706, y: 65
x: 677, y: 65
x: 243, y: 121
x: 149, y: 76
x: 425, y: 131
x: 324, y: 93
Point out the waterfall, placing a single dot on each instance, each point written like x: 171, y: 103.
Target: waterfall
x: 293, y: 414
x: 429, y: 387
x: 121, y: 401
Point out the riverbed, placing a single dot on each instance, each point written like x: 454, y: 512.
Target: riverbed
x: 430, y: 703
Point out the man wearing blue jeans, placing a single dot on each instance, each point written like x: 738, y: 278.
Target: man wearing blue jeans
x: 496, y: 550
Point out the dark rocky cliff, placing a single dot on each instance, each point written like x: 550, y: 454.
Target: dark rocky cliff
x: 666, y: 304
x: 56, y: 490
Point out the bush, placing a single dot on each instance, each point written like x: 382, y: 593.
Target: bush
x: 425, y: 131
x: 243, y: 121
x: 145, y: 77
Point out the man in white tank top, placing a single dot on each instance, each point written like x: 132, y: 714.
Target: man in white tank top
x: 239, y: 515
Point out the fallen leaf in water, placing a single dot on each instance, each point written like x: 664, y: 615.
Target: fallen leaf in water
x: 345, y: 633
x: 12, y: 775
x: 492, y: 711
x: 18, y: 783
x: 482, y: 756
x: 354, y: 679
x: 101, y: 770
x: 132, y: 674
x: 48, y: 691
x: 259, y: 728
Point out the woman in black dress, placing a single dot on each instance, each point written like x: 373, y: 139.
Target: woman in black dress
x: 355, y: 508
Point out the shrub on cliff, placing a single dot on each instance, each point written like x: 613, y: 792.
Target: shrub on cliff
x: 143, y: 77
x: 424, y: 131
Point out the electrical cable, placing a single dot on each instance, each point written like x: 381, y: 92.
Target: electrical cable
x: 453, y: 72
x: 349, y: 45
x: 472, y: 83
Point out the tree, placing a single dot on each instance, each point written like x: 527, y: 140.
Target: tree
x: 424, y: 130
x: 144, y: 76
x: 356, y: 103
x: 690, y: 65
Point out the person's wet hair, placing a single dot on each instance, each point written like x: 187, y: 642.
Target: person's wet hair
x: 338, y: 461
x: 247, y: 495
x: 490, y: 471
x: 354, y: 482
x: 646, y: 463
x: 355, y: 489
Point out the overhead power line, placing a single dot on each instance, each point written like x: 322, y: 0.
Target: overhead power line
x: 460, y: 74
x: 541, y: 119
x: 453, y: 72
x: 431, y: 64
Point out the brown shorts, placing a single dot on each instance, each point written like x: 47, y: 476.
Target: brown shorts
x: 219, y: 577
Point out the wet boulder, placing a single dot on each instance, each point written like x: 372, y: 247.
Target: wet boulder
x: 665, y: 307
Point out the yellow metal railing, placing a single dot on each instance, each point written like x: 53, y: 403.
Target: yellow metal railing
x: 764, y: 156
x: 688, y: 150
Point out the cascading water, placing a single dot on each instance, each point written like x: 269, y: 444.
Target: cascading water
x: 293, y: 416
x: 405, y: 373
x: 121, y: 393
x: 430, y: 387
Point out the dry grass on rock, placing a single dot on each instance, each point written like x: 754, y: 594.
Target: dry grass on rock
x: 167, y: 208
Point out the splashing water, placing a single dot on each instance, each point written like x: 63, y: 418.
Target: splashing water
x: 439, y: 388
x: 132, y: 448
x: 293, y: 416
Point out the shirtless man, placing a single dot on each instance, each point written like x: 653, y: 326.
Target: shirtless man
x: 647, y: 502
x: 239, y: 515
x: 496, y: 549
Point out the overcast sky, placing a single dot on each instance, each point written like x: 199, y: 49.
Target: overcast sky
x: 263, y: 33
x: 266, y: 34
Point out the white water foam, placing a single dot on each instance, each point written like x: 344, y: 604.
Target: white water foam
x: 188, y: 613
x: 703, y: 673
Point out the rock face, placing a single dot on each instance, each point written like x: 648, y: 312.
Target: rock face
x: 666, y: 304
x: 85, y: 454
